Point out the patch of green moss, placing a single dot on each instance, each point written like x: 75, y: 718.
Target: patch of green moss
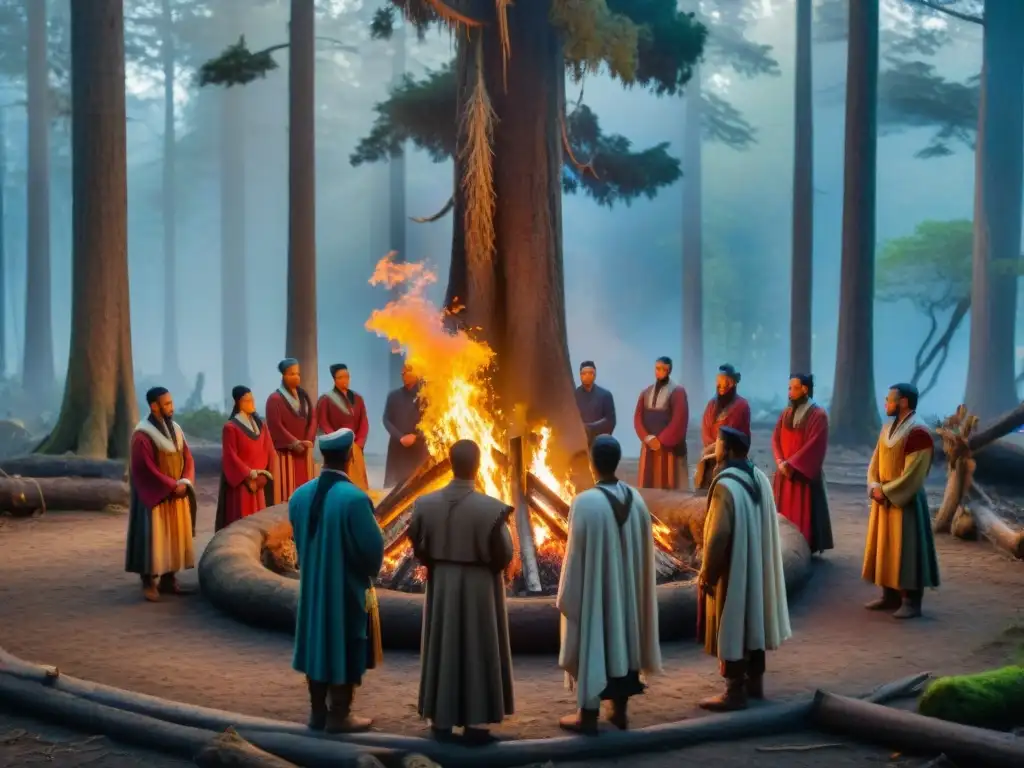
x: 993, y: 699
x: 202, y: 424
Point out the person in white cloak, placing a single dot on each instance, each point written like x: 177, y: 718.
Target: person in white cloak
x: 745, y: 611
x: 607, y: 596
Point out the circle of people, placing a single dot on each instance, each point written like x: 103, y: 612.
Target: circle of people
x: 609, y: 613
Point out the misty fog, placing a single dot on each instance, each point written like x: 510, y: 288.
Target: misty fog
x: 622, y: 266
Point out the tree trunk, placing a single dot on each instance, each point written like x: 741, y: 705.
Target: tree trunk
x: 229, y: 750
x: 691, y: 372
x: 300, y: 340
x: 234, y: 321
x: 396, y: 196
x: 21, y: 496
x: 3, y: 244
x: 853, y: 414
x: 99, y: 408
x: 802, y: 285
x: 173, y: 377
x: 37, y: 369
x: 991, y: 388
x: 517, y: 298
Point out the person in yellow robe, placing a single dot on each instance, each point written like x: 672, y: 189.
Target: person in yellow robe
x: 899, y: 555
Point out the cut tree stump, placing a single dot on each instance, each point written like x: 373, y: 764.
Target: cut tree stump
x: 229, y: 750
x: 22, y: 496
x: 910, y: 732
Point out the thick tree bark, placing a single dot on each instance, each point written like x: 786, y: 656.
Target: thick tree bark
x: 22, y: 496
x: 853, y: 415
x: 3, y: 244
x: 396, y: 196
x: 300, y: 340
x: 37, y: 369
x: 802, y: 285
x: 173, y: 377
x: 229, y: 750
x: 234, y: 321
x: 517, y: 299
x: 99, y: 409
x: 691, y: 372
x: 991, y: 388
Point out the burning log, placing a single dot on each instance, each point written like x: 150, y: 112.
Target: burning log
x: 402, y: 496
x: 527, y: 544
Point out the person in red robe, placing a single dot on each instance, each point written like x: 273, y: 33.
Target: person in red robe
x: 291, y: 420
x: 162, y: 507
x: 726, y: 409
x: 799, y: 444
x: 341, y: 408
x: 660, y: 420
x: 246, y: 458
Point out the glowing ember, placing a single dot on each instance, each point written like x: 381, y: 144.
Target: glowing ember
x: 458, y: 400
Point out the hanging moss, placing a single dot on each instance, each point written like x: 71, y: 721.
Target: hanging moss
x: 993, y: 699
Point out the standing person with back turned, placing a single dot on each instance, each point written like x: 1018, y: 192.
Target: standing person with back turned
x: 595, y: 404
x: 741, y: 579
x: 899, y: 555
x: 340, y: 550
x: 291, y: 420
x: 726, y: 409
x: 799, y: 445
x: 607, y: 596
x: 407, y: 449
x: 462, y: 537
x: 341, y: 408
x: 660, y: 420
x: 162, y: 510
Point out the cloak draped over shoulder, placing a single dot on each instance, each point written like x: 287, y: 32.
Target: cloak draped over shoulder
x: 290, y: 420
x: 346, y: 410
x: 800, y: 440
x: 734, y: 413
x: 607, y: 594
x: 336, y: 624
x: 245, y: 447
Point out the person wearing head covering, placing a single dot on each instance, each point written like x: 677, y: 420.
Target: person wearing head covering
x: 596, y: 404
x: 661, y: 419
x: 742, y: 585
x: 726, y: 409
x: 463, y: 539
x: 607, y: 596
x: 899, y: 555
x: 291, y: 421
x: 246, y: 458
x: 407, y: 450
x: 340, y: 549
x: 162, y: 511
x: 341, y: 408
x: 799, y: 445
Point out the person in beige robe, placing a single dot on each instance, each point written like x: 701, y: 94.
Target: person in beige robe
x: 607, y: 596
x: 742, y: 584
x: 463, y: 539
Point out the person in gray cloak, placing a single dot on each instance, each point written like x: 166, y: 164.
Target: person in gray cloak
x: 462, y: 538
x: 607, y: 596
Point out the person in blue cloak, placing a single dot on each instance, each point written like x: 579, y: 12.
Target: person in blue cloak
x: 340, y: 550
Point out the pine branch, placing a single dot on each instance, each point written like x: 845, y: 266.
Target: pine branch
x: 943, y: 8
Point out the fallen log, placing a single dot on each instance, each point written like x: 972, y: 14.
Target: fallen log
x: 910, y: 732
x: 21, y: 496
x: 992, y: 526
x: 267, y: 734
x: 229, y: 750
x: 38, y: 465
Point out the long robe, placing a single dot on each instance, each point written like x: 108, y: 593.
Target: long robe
x: 161, y: 527
x: 900, y: 550
x: 597, y: 409
x: 340, y: 552
x: 746, y: 608
x: 290, y: 421
x: 662, y: 410
x: 607, y: 596
x: 402, y: 413
x: 245, y: 446
x: 735, y: 414
x: 346, y: 410
x: 465, y: 657
x: 801, y: 440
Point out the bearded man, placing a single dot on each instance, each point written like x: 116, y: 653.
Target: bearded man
x: 661, y: 417
x: 726, y: 409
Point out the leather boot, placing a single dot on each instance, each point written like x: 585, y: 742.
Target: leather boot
x: 735, y: 696
x: 617, y: 713
x: 889, y: 601
x: 755, y: 675
x: 583, y: 722
x: 150, y: 591
x: 911, y: 606
x: 317, y: 704
x: 340, y: 718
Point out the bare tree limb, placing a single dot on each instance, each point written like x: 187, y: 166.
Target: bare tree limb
x: 942, y: 8
x: 437, y: 216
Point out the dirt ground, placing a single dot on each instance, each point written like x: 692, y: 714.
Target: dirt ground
x: 65, y: 600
